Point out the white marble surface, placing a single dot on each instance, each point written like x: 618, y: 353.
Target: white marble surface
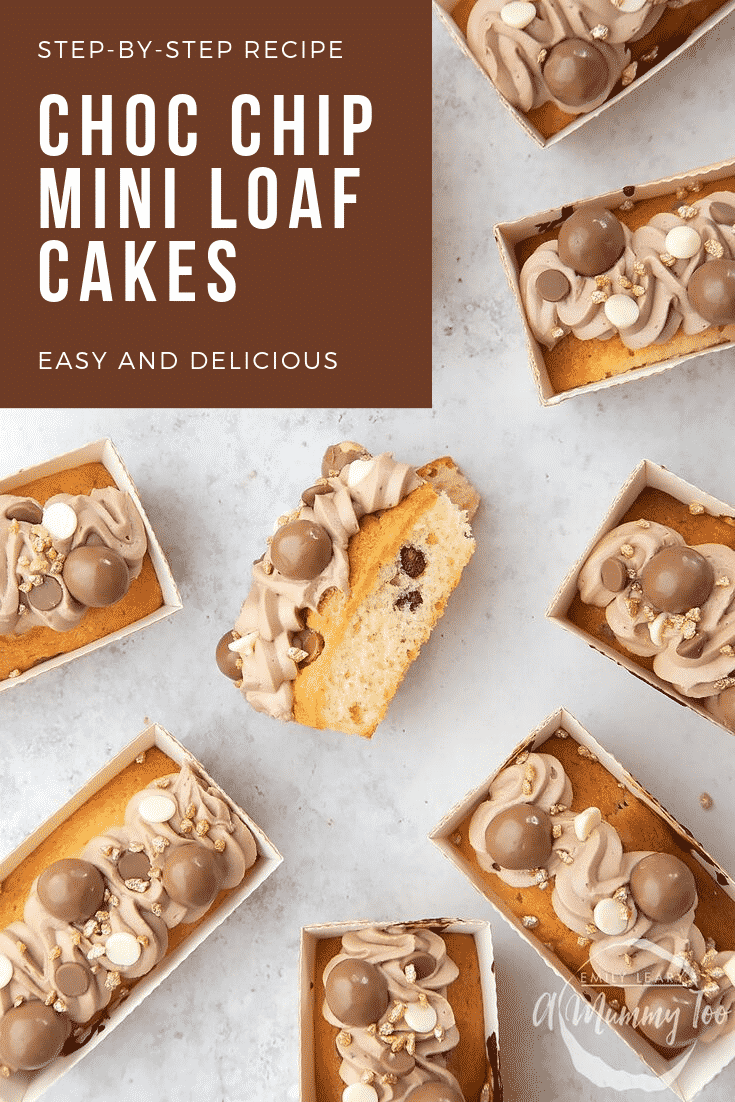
x: 350, y: 816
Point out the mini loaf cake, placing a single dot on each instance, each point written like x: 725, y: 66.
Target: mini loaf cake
x: 81, y: 932
x: 609, y: 291
x: 556, y: 59
x: 350, y: 588
x: 664, y: 594
x: 73, y: 566
x: 612, y: 890
x: 401, y: 1018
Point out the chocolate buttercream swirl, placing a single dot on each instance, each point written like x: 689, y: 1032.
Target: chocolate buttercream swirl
x: 694, y: 651
x: 514, y: 58
x: 63, y: 960
x: 538, y: 780
x: 31, y: 558
x: 579, y: 311
x: 655, y: 279
x: 595, y: 869
x: 272, y: 613
x: 412, y: 972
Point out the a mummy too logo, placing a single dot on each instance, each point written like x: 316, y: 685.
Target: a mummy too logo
x: 670, y: 1013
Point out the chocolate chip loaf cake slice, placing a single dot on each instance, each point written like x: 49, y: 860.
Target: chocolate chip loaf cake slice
x: 350, y: 588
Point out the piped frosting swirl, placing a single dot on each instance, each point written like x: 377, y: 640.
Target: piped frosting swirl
x: 34, y: 554
x: 405, y: 1045
x: 597, y: 894
x: 267, y: 640
x: 651, y: 281
x: 694, y: 649
x: 179, y: 836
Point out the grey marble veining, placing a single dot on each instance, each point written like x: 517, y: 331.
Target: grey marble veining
x: 351, y: 816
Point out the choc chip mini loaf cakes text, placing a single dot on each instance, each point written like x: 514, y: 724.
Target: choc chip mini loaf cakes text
x: 349, y: 589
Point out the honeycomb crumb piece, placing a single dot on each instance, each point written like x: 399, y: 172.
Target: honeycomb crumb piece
x: 706, y: 801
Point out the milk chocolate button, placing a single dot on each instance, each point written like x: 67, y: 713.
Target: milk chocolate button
x: 227, y: 659
x: 192, y: 876
x: 45, y: 596
x: 434, y: 1092
x: 677, y: 579
x: 552, y: 285
x: 356, y: 992
x: 576, y: 72
x: 310, y: 495
x: 613, y: 575
x: 663, y: 887
x: 670, y: 1016
x: 309, y: 641
x: 520, y: 837
x: 71, y: 889
x: 133, y: 866
x: 71, y: 979
x: 399, y: 1063
x: 300, y: 550
x: 96, y: 576
x: 723, y: 214
x: 31, y: 1035
x: 29, y: 511
x: 711, y: 291
x: 591, y: 240
x: 338, y: 456
x: 693, y: 647
x: 423, y: 963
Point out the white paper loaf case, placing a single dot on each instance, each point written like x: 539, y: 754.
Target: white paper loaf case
x: 108, y: 896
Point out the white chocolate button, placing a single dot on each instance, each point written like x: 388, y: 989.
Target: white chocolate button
x: 59, y: 520
x: 157, y: 809
x: 359, y: 1092
x: 683, y: 242
x: 632, y: 5
x: 6, y: 970
x: 420, y: 1019
x: 656, y: 628
x: 122, y: 949
x: 518, y: 14
x: 245, y: 645
x: 622, y: 311
x: 729, y: 968
x: 611, y: 917
x: 359, y: 469
x: 587, y: 821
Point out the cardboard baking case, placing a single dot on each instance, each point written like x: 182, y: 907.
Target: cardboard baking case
x: 26, y: 1087
x: 310, y: 988
x: 646, y: 474
x: 104, y: 452
x: 510, y: 234
x: 706, y: 1060
x: 443, y: 9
